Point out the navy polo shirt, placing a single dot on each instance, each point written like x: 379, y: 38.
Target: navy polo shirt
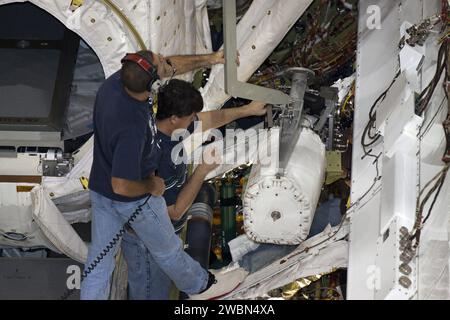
x: 124, y: 132
x: 174, y: 175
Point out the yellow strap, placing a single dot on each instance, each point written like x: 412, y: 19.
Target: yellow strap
x: 24, y: 188
x: 84, y: 182
x: 77, y: 3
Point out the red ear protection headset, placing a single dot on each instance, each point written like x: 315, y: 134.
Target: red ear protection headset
x: 146, y: 65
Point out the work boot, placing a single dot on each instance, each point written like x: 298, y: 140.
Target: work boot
x: 220, y: 283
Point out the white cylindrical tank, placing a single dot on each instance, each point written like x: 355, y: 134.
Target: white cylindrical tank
x: 279, y: 209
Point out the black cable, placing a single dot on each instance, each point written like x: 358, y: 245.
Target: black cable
x: 372, y: 119
x: 418, y: 225
x: 427, y: 94
x: 375, y: 138
x: 108, y: 248
x: 425, y: 98
x: 434, y: 200
x: 431, y: 122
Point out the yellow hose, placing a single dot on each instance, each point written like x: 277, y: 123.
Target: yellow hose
x: 350, y: 94
x: 127, y: 22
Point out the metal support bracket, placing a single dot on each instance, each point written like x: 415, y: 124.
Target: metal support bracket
x: 291, y: 118
x: 234, y: 87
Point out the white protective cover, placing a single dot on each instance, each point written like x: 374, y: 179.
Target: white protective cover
x: 16, y: 216
x: 55, y: 226
x: 258, y: 33
x: 293, y: 197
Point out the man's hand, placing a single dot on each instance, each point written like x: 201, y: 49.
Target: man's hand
x: 132, y: 189
x: 156, y: 185
x: 211, y: 160
x: 218, y: 57
x: 190, y: 190
x: 186, y: 63
x: 256, y: 108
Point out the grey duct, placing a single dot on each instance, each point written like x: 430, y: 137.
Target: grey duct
x: 199, y: 226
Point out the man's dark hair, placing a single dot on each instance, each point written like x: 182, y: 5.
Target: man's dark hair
x: 178, y: 98
x: 133, y: 76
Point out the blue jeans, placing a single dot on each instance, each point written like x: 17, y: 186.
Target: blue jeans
x: 154, y: 228
x: 146, y: 280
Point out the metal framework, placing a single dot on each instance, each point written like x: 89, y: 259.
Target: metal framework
x: 234, y: 87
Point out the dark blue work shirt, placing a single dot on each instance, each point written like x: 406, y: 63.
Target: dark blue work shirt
x: 123, y: 139
x: 174, y: 175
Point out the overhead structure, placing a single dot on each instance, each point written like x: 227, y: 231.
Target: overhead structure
x: 234, y: 87
x: 259, y: 32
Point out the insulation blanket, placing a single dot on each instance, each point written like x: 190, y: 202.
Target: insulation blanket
x: 324, y: 256
x: 55, y: 227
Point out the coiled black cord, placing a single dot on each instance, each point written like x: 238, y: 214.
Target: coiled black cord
x: 108, y: 248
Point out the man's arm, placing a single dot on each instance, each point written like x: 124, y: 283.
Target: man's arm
x: 132, y: 189
x: 187, y: 195
x: 190, y: 190
x: 219, y: 118
x: 186, y: 63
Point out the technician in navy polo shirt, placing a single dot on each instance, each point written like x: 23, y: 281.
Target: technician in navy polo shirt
x: 123, y: 178
x: 179, y: 105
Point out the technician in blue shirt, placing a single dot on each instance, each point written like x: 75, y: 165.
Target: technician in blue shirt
x: 123, y: 176
x: 179, y: 105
